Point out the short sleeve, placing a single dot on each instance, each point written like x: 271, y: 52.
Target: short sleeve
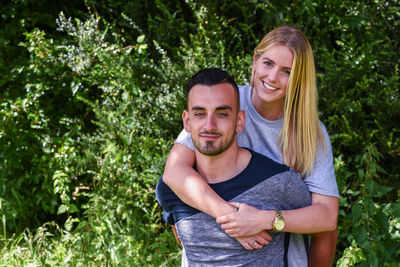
x: 185, y: 139
x: 322, y: 178
x: 296, y: 193
x: 163, y: 195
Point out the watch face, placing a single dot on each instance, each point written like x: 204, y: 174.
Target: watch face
x: 279, y: 225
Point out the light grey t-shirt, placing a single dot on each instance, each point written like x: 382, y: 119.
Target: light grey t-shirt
x: 261, y: 136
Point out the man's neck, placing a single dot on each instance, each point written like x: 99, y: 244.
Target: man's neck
x: 222, y: 167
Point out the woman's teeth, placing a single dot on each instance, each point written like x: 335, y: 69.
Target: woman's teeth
x: 270, y: 87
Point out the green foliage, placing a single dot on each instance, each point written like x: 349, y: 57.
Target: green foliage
x: 109, y: 165
x: 361, y: 109
x: 351, y: 256
x: 91, y: 110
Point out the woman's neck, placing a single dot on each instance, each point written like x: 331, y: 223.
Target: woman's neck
x: 269, y: 111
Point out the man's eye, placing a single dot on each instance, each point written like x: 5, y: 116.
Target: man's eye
x: 222, y: 114
x: 199, y: 114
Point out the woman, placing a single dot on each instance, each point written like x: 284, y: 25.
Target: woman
x: 282, y: 123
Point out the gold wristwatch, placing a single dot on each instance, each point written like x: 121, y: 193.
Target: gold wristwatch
x: 279, y: 222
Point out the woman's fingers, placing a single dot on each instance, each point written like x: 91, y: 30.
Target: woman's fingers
x: 229, y: 217
x: 224, y: 219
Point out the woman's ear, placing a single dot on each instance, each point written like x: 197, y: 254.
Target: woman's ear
x: 186, y: 120
x: 241, y: 120
x: 254, y: 59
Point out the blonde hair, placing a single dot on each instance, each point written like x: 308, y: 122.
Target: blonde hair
x: 301, y: 133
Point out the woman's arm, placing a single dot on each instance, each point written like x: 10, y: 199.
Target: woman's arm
x: 189, y: 186
x: 320, y: 216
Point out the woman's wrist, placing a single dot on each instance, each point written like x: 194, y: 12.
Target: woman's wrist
x: 268, y: 217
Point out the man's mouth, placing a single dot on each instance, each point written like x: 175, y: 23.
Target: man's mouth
x: 209, y: 135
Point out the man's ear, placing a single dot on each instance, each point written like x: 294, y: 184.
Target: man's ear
x: 186, y: 120
x: 241, y: 120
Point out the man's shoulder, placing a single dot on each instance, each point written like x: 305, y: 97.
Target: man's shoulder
x: 174, y: 209
x: 266, y: 163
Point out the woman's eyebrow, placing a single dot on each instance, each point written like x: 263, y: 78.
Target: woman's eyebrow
x: 267, y: 58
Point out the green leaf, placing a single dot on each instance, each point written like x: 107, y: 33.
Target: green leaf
x: 72, y: 208
x: 356, y: 213
x: 382, y: 190
x: 393, y: 209
x: 140, y: 39
x: 382, y: 220
x: 62, y: 209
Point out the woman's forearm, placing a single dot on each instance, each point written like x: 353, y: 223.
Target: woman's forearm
x: 320, y: 216
x: 189, y: 186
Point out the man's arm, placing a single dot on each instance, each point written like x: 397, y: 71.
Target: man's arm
x: 322, y: 250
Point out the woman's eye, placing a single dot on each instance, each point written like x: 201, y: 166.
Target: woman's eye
x: 267, y: 63
x: 287, y: 72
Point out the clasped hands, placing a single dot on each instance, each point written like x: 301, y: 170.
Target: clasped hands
x: 248, y: 225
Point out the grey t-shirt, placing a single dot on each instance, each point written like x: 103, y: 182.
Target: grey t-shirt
x: 261, y: 136
x: 264, y: 184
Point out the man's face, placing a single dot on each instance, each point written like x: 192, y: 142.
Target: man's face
x: 212, y: 117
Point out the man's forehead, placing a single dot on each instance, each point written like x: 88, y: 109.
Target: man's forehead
x: 216, y: 95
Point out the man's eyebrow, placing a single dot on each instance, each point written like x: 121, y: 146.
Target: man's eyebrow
x: 224, y: 108
x: 267, y: 58
x: 198, y: 108
x: 218, y: 108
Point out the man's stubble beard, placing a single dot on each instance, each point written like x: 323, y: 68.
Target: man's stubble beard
x: 209, y: 149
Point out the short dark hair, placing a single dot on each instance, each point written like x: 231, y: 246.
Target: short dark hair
x: 210, y: 77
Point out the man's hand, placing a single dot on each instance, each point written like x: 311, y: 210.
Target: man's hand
x: 249, y: 242
x: 256, y: 241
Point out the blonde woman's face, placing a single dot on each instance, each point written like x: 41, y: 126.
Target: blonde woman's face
x: 271, y: 76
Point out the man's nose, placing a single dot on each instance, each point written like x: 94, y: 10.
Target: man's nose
x: 210, y: 124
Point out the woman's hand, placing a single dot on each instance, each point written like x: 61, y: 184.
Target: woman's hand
x: 256, y: 241
x: 247, y: 221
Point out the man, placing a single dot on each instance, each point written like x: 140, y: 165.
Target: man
x: 237, y: 174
